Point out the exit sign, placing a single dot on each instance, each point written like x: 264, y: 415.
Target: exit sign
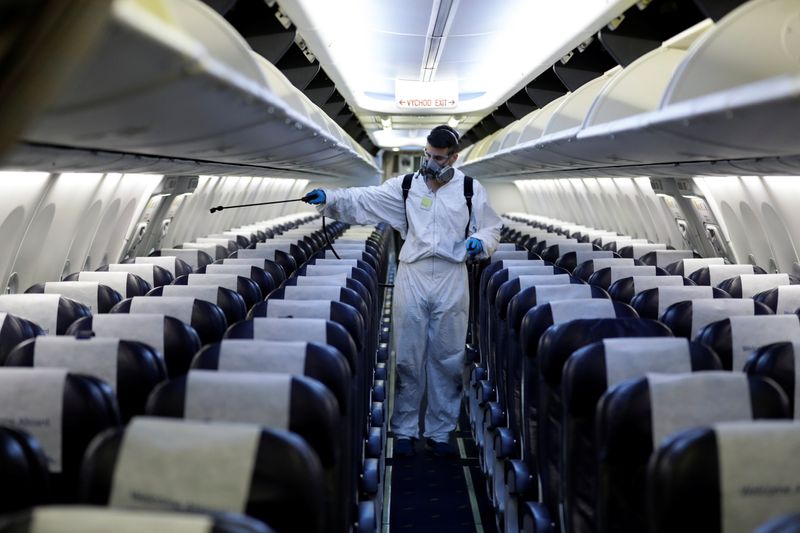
x: 425, y: 94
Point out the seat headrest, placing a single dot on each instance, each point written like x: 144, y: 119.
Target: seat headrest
x: 736, y: 337
x: 748, y: 285
x: 51, y: 312
x: 194, y: 258
x: 664, y: 258
x: 170, y: 263
x: 97, y: 297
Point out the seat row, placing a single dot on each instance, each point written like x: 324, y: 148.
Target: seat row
x: 564, y: 327
x: 265, y: 364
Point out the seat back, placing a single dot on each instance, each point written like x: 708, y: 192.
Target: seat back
x: 131, y: 369
x: 699, y: 473
x: 605, y: 277
x: 193, y: 257
x: 270, y: 267
x: 14, y: 330
x: 663, y: 258
x: 652, y: 303
x: 26, y: 479
x: 61, y: 410
x: 588, y: 373
x: 207, y: 319
x: 246, y: 287
x: 125, y: 283
x: 624, y: 289
x: 669, y: 404
x: 163, y: 464
x: 637, y: 250
x: 777, y: 361
x: 153, y: 274
x: 687, y: 318
x: 585, y: 269
x: 552, y: 253
x: 97, y: 297
x: 175, y: 340
x: 686, y: 266
x: 261, y: 277
x: 748, y: 285
x: 782, y: 300
x: 715, y: 274
x: 51, y: 312
x: 170, y: 263
x: 231, y: 303
x: 570, y: 260
x: 735, y: 338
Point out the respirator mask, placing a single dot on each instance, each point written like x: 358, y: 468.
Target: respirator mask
x: 431, y: 169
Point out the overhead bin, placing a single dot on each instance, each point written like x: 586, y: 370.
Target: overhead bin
x: 728, y: 104
x: 151, y: 88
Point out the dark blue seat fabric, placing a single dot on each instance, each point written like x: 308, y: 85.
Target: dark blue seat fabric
x: 623, y: 290
x: 625, y: 442
x: 663, y: 258
x: 104, y: 299
x: 703, y: 275
x: 606, y: 276
x: 553, y: 252
x: 719, y: 336
x: 287, y: 254
x: 206, y: 318
x: 681, y: 319
x: 286, y: 487
x: 139, y: 368
x: 636, y: 251
x: 281, y: 258
x: 175, y: 266
x: 651, y: 303
x: 341, y: 294
x: 685, y: 477
x: 25, y: 481
x: 586, y: 377
x: 778, y: 362
x: 231, y: 302
x: 159, y: 276
x: 737, y: 286
x: 244, y: 286
x: 571, y: 260
x: 14, y: 330
x: 585, y: 270
x: 783, y: 524
x: 178, y: 340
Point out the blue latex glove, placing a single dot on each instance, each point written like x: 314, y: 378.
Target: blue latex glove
x: 474, y: 247
x: 315, y: 197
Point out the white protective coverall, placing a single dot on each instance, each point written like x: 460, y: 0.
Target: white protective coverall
x: 431, y: 296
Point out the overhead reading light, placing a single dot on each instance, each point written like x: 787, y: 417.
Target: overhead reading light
x: 386, y: 123
x: 395, y: 149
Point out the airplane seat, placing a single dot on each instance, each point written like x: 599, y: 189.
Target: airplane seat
x: 63, y: 411
x: 338, y: 280
x: 92, y: 519
x: 231, y: 302
x: 125, y: 283
x: 176, y: 341
x: 194, y: 258
x: 668, y: 404
x: 26, y: 479
x: 259, y: 276
x: 715, y: 274
x: 663, y: 258
x: 291, y: 248
x: 571, y: 260
x: 652, y: 303
x: 587, y: 268
x: 270, y: 267
x: 334, y: 291
x: 688, y: 265
x: 778, y: 362
x: 590, y: 372
x: 206, y: 318
x: 277, y: 256
x: 556, y: 345
x: 352, y: 272
x: 173, y: 265
x: 132, y: 369
x: 736, y: 337
x: 624, y: 289
x: 637, y: 250
x: 608, y: 275
x: 726, y: 477
x: 687, y: 317
x: 553, y: 252
x: 153, y: 274
x: 163, y: 464
x: 298, y: 404
x: 246, y: 287
x: 14, y: 330
x: 97, y: 297
x: 356, y: 263
x: 353, y: 254
x: 748, y: 285
x: 51, y: 312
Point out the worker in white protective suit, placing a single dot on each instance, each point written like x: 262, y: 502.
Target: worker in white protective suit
x: 431, y: 298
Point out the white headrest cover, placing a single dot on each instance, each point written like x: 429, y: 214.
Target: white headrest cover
x: 252, y: 261
x: 180, y: 307
x: 565, y: 248
x: 550, y: 293
x: 299, y: 308
x: 748, y: 333
x: 642, y: 283
x: 758, y: 465
x: 313, y: 281
x: 116, y: 280
x: 148, y: 329
x: 165, y: 261
x: 500, y: 256
x: 42, y: 309
x: 566, y: 310
x: 192, y: 257
x: 32, y: 399
x: 144, y: 271
x: 640, y: 249
x: 87, y: 519
x: 84, y: 292
x: 515, y: 272
x: 258, y: 253
x: 553, y: 279
x: 628, y: 358
x: 619, y: 272
x: 752, y: 284
x: 671, y: 295
x: 209, y: 293
x: 667, y: 257
x: 583, y: 256
x: 257, y: 398
x: 706, y: 311
x: 607, y: 262
x: 681, y: 401
x: 508, y: 263
x: 290, y: 329
x: 788, y: 299
x: 350, y: 262
x: 694, y: 264
x: 229, y: 281
x: 719, y: 273
x: 322, y: 292
x: 327, y: 270
x: 236, y: 270
x: 180, y: 464
x: 96, y: 356
x: 249, y: 355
